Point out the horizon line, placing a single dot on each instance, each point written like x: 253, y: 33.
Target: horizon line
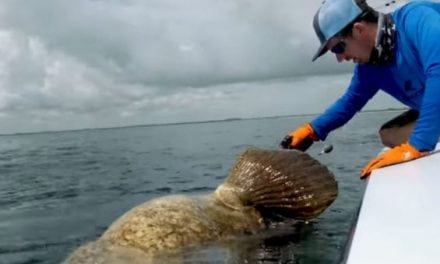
x: 231, y: 119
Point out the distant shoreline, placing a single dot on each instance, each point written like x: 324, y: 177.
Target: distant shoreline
x: 190, y: 122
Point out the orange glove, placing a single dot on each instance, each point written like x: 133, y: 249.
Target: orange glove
x: 399, y: 154
x: 301, y: 138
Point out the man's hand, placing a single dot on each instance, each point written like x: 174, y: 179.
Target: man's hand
x: 301, y: 138
x: 399, y: 154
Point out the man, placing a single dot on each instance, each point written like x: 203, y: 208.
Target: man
x: 397, y: 53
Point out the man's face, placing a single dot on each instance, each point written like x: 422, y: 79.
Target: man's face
x: 356, y: 48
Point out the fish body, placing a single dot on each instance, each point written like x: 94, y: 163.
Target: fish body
x: 262, y: 186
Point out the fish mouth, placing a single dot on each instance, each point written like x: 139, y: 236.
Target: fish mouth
x: 273, y: 216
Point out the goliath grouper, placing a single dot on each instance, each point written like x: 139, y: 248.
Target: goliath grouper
x: 263, y: 186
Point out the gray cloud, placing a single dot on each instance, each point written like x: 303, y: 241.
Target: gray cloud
x: 174, y: 43
x: 143, y: 61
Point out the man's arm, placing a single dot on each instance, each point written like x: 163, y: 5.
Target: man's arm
x: 360, y: 90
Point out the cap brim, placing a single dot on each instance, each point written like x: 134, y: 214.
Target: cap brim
x: 321, y: 51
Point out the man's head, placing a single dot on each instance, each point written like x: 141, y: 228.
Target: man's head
x: 347, y: 28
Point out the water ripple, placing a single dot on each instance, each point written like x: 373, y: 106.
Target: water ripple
x: 9, y: 199
x: 198, y: 189
x: 164, y: 190
x: 28, y: 246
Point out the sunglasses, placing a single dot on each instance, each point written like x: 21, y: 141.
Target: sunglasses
x: 339, y: 47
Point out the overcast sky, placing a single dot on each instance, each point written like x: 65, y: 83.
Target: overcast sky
x: 100, y: 63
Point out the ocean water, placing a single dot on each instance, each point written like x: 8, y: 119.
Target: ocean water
x: 59, y: 190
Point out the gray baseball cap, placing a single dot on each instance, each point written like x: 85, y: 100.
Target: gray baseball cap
x: 332, y: 17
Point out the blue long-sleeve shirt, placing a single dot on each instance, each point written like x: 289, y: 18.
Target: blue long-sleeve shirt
x: 413, y: 77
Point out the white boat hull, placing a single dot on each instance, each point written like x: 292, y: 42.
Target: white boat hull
x: 399, y: 219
